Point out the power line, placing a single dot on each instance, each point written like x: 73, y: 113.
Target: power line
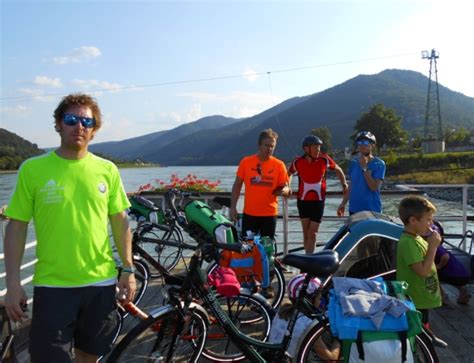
x: 211, y: 79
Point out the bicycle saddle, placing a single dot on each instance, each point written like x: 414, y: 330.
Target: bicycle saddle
x: 321, y: 264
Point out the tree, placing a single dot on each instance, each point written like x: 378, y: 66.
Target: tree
x: 457, y: 137
x: 385, y: 124
x: 325, y: 135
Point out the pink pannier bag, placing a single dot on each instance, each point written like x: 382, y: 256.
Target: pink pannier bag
x: 225, y: 280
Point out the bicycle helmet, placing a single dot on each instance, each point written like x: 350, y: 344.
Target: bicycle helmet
x: 366, y: 135
x: 311, y: 140
x: 295, y: 283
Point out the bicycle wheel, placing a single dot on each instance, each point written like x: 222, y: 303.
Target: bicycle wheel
x: 425, y: 351
x: 158, y: 339
x: 319, y: 345
x: 142, y: 278
x: 310, y: 348
x: 118, y: 330
x: 249, y: 315
x: 277, y: 283
x: 166, y: 256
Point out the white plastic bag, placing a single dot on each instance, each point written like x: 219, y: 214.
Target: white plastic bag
x: 386, y: 351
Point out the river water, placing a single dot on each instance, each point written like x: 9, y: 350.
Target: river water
x: 134, y: 177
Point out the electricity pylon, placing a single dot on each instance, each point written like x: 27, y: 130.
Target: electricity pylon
x: 433, y: 110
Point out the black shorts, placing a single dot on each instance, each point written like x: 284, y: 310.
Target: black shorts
x: 312, y: 209
x: 264, y: 226
x: 83, y: 317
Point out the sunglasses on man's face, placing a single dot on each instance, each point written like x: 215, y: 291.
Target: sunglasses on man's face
x: 72, y: 120
x: 363, y: 142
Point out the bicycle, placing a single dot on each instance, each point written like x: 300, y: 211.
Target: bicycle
x: 250, y: 312
x: 165, y: 226
x: 322, y: 264
x: 166, y: 229
x: 243, y: 310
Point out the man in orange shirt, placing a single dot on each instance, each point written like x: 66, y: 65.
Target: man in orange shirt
x: 265, y: 177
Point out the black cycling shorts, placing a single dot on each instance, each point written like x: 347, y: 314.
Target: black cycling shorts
x: 83, y: 317
x: 264, y: 226
x: 312, y: 209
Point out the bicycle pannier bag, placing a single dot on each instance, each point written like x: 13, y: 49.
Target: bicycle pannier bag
x: 215, y: 224
x: 142, y: 207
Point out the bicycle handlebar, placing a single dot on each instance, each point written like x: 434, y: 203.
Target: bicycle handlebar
x: 170, y: 197
x: 145, y: 202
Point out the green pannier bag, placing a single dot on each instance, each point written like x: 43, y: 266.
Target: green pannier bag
x: 145, y: 208
x: 217, y: 226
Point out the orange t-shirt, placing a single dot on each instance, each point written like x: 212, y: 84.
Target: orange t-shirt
x: 260, y: 180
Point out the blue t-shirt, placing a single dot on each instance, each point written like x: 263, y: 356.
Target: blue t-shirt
x: 361, y: 197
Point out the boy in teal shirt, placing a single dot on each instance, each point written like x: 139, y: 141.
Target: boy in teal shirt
x: 415, y: 255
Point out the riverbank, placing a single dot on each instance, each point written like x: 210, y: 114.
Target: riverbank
x: 448, y: 194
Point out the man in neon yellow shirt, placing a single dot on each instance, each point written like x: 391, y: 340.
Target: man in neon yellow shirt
x: 71, y: 195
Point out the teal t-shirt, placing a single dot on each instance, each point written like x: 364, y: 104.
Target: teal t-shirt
x: 70, y: 202
x: 423, y: 290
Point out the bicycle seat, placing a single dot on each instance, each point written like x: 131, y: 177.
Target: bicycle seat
x: 321, y: 264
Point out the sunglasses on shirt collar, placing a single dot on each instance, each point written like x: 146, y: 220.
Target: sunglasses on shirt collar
x: 72, y: 120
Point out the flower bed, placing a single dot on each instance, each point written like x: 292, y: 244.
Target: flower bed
x: 190, y: 183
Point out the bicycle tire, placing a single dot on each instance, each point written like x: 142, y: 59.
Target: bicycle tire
x: 249, y: 315
x: 118, y: 330
x: 277, y: 283
x: 166, y: 256
x: 425, y: 351
x: 151, y: 339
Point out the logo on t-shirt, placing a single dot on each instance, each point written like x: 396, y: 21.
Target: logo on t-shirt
x: 102, y: 187
x: 52, y: 192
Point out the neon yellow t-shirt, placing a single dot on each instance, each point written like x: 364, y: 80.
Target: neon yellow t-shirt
x: 423, y: 290
x: 70, y: 202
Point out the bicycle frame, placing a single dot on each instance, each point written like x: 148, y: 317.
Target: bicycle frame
x: 196, y: 280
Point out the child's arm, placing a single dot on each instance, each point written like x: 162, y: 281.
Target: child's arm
x: 423, y: 268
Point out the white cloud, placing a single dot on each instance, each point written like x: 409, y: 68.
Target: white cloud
x: 78, y: 55
x: 241, y: 104
x: 46, y: 81
x: 37, y: 94
x: 194, y: 113
x: 97, y: 86
x: 250, y: 74
x: 15, y: 111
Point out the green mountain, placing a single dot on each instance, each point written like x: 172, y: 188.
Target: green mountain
x: 14, y: 150
x: 219, y: 140
x: 336, y: 108
x: 139, y: 147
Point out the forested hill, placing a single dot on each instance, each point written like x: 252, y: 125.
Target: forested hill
x: 14, y: 150
x: 336, y: 108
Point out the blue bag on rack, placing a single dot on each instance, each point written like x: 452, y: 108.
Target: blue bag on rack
x: 348, y: 327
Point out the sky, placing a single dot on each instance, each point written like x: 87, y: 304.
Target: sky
x: 154, y: 65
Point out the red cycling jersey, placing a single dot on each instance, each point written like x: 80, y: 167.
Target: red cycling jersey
x: 312, y: 176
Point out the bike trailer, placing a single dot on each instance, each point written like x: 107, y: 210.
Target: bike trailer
x: 215, y: 224
x: 392, y: 341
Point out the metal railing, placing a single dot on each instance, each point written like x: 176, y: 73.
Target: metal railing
x: 285, y: 218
